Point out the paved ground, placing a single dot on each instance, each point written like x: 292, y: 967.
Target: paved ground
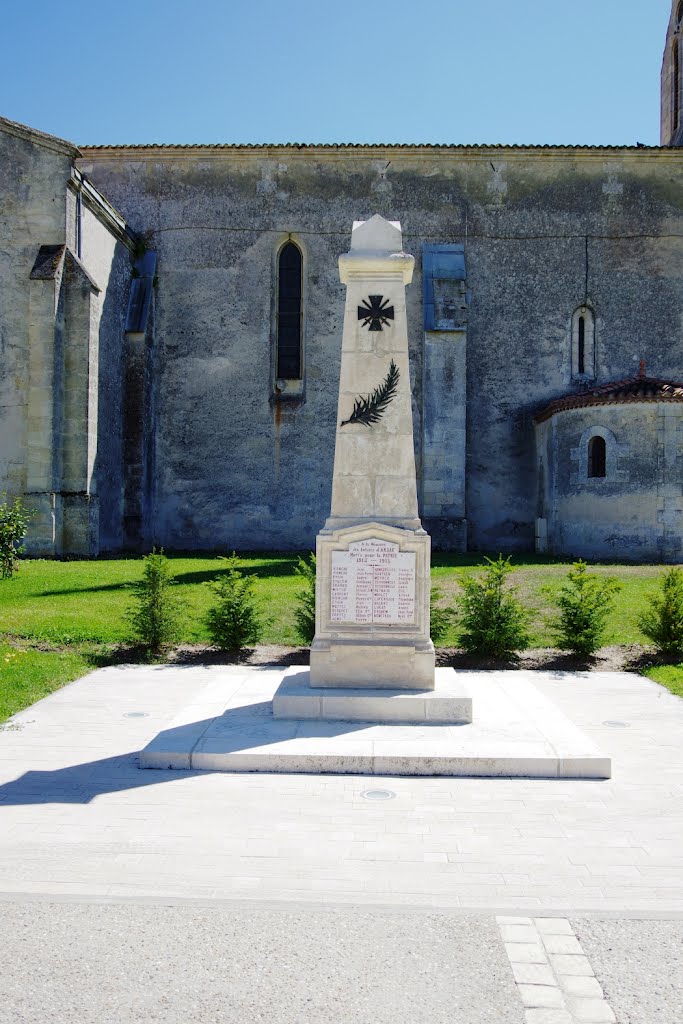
x: 80, y: 822
x: 640, y: 966
x: 213, y: 964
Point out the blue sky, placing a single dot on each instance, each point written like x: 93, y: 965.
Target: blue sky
x: 438, y: 71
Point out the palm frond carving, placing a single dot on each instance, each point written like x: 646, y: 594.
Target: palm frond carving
x: 370, y: 409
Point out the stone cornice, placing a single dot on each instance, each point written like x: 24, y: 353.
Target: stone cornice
x: 22, y: 131
x: 483, y: 152
x: 102, y: 209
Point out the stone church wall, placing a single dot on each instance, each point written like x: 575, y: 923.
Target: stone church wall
x: 635, y: 510
x: 109, y: 262
x: 32, y: 211
x: 544, y: 231
x: 64, y: 281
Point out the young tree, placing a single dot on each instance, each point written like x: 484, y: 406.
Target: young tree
x: 662, y: 622
x: 234, y: 621
x: 14, y: 520
x: 156, y: 616
x: 585, y: 602
x: 304, y: 613
x: 492, y: 621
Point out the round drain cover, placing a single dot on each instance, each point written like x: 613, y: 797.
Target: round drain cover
x: 617, y: 725
x: 136, y: 714
x: 378, y: 794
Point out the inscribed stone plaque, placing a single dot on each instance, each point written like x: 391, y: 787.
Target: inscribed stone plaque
x: 373, y: 582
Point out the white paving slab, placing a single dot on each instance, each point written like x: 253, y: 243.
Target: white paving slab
x: 567, y: 988
x: 78, y: 819
x: 517, y: 732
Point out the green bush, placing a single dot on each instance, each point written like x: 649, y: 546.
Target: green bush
x: 14, y: 520
x: 440, y: 618
x: 156, y: 617
x: 662, y: 622
x: 585, y: 602
x: 491, y: 620
x: 304, y: 613
x: 234, y: 621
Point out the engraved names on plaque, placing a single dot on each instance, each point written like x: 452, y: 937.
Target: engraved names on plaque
x: 373, y: 582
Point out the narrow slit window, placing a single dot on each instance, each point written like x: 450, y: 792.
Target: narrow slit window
x: 289, y: 313
x: 582, y: 345
x: 676, y: 85
x: 597, y: 457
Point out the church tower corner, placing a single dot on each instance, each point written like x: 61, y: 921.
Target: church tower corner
x: 671, y: 120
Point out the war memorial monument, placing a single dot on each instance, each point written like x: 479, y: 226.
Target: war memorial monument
x: 372, y: 701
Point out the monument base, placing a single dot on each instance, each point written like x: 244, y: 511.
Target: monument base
x: 372, y: 609
x: 379, y: 664
x: 516, y: 732
x: 448, y: 703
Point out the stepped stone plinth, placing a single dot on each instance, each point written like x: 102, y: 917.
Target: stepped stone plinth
x: 449, y: 703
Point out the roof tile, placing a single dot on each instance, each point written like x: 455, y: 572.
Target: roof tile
x: 620, y: 392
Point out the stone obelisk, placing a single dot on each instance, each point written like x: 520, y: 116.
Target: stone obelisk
x: 373, y: 557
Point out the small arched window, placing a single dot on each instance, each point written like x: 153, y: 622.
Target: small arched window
x: 583, y: 343
x: 597, y: 457
x: 289, y: 313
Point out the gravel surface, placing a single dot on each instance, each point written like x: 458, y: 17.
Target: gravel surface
x: 639, y: 965
x: 618, y: 658
x: 116, y: 964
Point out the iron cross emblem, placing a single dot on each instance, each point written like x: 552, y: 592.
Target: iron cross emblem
x: 375, y: 312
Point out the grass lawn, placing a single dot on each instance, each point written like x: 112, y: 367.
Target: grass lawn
x: 86, y: 602
x: 66, y: 603
x: 537, y: 580
x: 79, y: 608
x: 670, y: 676
x: 27, y: 675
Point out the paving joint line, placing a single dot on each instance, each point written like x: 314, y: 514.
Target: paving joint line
x: 320, y: 905
x: 553, y: 975
x: 204, y: 731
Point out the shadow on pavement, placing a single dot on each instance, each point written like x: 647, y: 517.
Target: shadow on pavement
x: 81, y: 783
x: 239, y: 728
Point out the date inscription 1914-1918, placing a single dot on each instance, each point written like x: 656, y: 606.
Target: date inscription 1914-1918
x: 375, y: 311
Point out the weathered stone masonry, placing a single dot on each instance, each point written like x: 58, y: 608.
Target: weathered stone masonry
x: 139, y: 397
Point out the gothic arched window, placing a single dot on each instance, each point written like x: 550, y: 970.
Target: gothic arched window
x: 289, y: 285
x: 597, y: 456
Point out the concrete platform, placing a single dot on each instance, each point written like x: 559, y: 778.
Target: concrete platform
x: 517, y: 732
x: 448, y: 703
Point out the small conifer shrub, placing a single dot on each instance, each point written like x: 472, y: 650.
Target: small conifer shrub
x: 662, y: 622
x: 234, y: 621
x: 491, y: 620
x: 440, y: 617
x: 155, y: 618
x: 304, y: 613
x: 14, y: 520
x: 585, y: 602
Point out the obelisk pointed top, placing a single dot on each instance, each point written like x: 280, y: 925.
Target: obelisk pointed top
x: 377, y: 235
x: 376, y: 247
